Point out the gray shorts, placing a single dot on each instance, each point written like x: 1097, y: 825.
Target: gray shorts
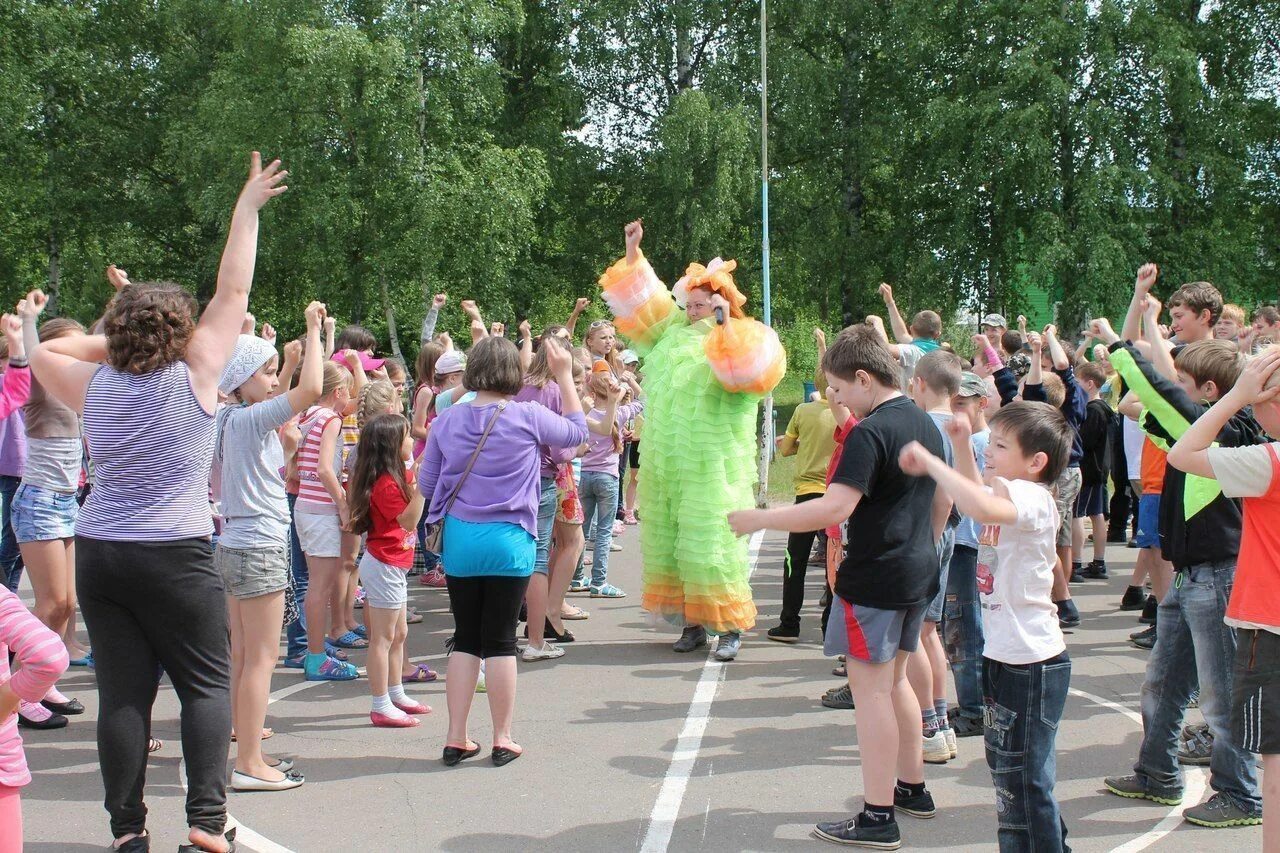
x: 869, y: 634
x: 1064, y: 494
x: 946, y: 547
x: 251, y: 572
x: 386, y: 587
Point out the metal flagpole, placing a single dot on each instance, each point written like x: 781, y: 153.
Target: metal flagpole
x: 766, y: 429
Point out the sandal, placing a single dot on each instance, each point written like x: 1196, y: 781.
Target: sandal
x: 154, y: 744
x: 421, y: 674
x: 331, y: 649
x: 361, y: 630
x: 575, y: 613
x: 351, y: 640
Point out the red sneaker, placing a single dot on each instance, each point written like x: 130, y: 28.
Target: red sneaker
x: 433, y: 578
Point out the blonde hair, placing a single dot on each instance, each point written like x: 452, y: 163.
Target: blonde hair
x: 1233, y: 312
x: 335, y: 376
x: 376, y: 398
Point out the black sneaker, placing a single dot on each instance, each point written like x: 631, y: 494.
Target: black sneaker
x: 1144, y: 639
x: 1133, y: 599
x: 840, y: 698
x: 1068, y: 615
x: 917, y: 805
x: 966, y: 726
x: 880, y: 836
x: 692, y: 637
x: 1095, y: 571
x: 1148, y: 616
x: 1133, y: 543
x: 783, y: 634
x: 1133, y: 788
x: 1077, y: 574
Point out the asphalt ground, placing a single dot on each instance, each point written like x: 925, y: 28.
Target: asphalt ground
x: 628, y: 746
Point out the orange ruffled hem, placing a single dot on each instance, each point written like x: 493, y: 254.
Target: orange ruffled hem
x: 717, y: 615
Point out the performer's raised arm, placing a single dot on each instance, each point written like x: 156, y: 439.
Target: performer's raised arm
x: 639, y: 300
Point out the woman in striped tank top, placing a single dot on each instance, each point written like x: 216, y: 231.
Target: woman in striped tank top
x: 149, y: 591
x: 319, y: 516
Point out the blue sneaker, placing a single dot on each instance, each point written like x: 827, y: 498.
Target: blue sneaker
x: 325, y: 668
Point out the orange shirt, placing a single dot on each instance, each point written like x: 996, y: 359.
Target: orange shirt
x: 1154, y: 461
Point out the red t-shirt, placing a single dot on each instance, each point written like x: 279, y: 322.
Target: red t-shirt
x: 387, y: 540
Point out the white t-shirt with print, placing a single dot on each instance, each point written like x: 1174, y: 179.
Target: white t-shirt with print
x: 1015, y: 579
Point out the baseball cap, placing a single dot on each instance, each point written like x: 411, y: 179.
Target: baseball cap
x: 450, y: 362
x: 972, y: 385
x: 995, y: 320
x: 629, y: 357
x: 367, y: 361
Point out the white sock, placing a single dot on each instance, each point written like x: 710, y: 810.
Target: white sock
x: 397, y: 694
x: 54, y: 695
x: 382, y: 705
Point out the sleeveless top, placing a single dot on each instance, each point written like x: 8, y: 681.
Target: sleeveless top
x: 152, y: 446
x: 313, y: 497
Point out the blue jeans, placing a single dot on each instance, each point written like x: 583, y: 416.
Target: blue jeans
x: 296, y: 631
x: 1023, y: 707
x: 962, y: 630
x: 10, y: 556
x: 1193, y: 646
x: 546, y: 521
x: 599, y: 495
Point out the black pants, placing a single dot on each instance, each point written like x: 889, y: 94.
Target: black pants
x: 149, y: 605
x: 799, y: 546
x: 485, y: 612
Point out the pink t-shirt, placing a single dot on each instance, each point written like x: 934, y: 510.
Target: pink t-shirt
x: 42, y: 658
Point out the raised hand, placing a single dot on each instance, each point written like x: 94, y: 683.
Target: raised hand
x: 498, y: 330
x: 1050, y: 331
x: 914, y: 460
x: 1146, y: 279
x: 293, y: 351
x: 263, y: 184
x: 439, y: 301
x: 1035, y: 341
x: 1101, y: 329
x: 117, y: 277
x: 34, y: 304
x: 316, y: 315
x: 875, y: 321
x: 330, y: 324
x: 526, y: 331
x: 1101, y: 353
x: 560, y: 360
x: 1151, y: 307
x: 250, y: 323
x: 959, y: 429
x: 581, y: 304
x: 1022, y: 324
x: 268, y: 333
x: 469, y: 308
x: 820, y: 337
x: 352, y: 358
x: 718, y: 301
x: 634, y: 232
x: 886, y: 293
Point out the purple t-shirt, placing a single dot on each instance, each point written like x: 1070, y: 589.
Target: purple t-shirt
x: 601, y: 457
x: 504, y: 483
x: 549, y: 397
x: 13, y: 444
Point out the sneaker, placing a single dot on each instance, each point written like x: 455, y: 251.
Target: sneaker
x: 1220, y: 811
x: 839, y: 698
x: 629, y: 518
x: 1134, y: 788
x: 618, y: 528
x: 1096, y: 571
x: 433, y: 578
x: 1077, y: 574
x: 917, y: 805
x: 936, y: 750
x: 1133, y: 543
x: 1146, y: 642
x: 548, y: 651
x: 1148, y: 616
x: 1194, y: 701
x: 614, y: 547
x: 1068, y: 615
x: 1196, y: 747
x: 966, y: 726
x: 951, y: 742
x: 693, y: 637
x: 727, y: 648
x: 880, y: 836
x: 783, y: 634
x: 1133, y: 599
x: 329, y: 670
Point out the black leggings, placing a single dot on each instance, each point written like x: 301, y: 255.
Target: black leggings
x: 485, y: 612
x: 149, y: 605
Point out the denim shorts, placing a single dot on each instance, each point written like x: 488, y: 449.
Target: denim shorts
x: 386, y: 587
x: 251, y: 572
x: 43, y: 515
x: 1149, y: 521
x: 869, y: 634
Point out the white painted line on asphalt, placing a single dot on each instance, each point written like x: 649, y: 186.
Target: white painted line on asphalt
x: 662, y: 820
x: 1194, y: 789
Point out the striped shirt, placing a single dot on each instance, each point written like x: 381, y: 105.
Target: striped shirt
x: 313, y: 497
x: 41, y: 658
x: 152, y: 446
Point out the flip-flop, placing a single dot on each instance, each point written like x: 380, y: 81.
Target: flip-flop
x: 361, y: 630
x: 154, y: 744
x: 351, y: 640
x: 421, y: 674
x: 575, y: 613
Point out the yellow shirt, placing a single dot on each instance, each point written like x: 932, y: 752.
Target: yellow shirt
x: 814, y: 428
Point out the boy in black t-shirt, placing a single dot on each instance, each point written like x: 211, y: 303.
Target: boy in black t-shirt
x: 888, y: 577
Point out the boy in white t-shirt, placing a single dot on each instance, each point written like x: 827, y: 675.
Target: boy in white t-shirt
x: 1025, y: 669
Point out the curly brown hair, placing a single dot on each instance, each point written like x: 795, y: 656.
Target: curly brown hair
x: 148, y: 326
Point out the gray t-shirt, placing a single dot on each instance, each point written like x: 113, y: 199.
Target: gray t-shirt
x: 54, y: 464
x: 250, y: 460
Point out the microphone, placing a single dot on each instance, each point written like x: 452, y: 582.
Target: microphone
x: 719, y: 316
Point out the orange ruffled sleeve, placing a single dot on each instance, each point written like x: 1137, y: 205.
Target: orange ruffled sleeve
x: 641, y: 304
x: 746, y: 356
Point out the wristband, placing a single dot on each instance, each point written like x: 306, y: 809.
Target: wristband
x: 18, y: 361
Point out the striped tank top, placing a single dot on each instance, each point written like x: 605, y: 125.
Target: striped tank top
x: 152, y: 446
x: 313, y: 497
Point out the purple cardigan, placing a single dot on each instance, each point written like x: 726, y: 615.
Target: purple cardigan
x: 549, y: 397
x: 504, y: 484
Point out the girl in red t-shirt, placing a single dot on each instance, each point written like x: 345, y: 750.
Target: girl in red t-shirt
x: 386, y: 506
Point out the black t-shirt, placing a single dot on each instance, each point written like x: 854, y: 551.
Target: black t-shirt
x: 891, y: 560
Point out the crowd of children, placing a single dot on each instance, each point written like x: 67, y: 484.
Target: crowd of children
x: 949, y: 500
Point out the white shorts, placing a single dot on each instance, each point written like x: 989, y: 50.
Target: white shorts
x: 319, y: 535
x: 386, y: 587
